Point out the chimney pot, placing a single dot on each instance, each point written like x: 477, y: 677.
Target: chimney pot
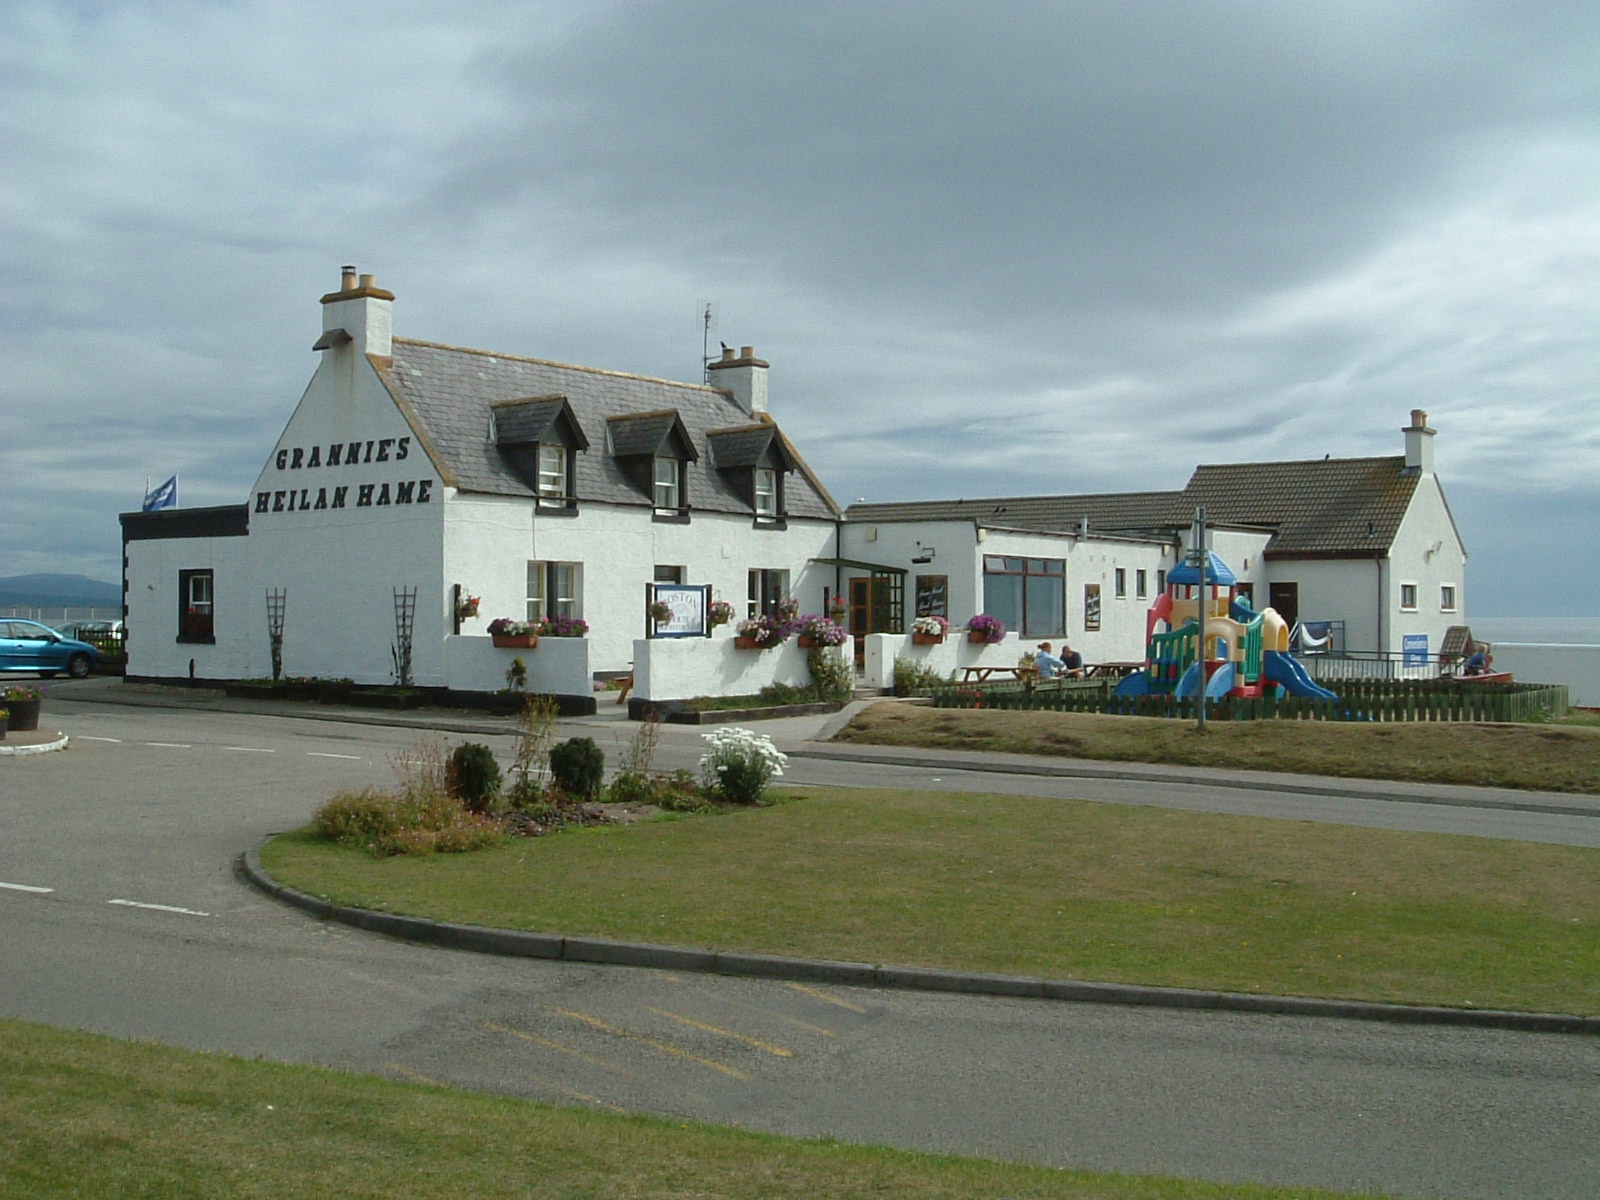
x: 1419, y: 419
x: 747, y: 351
x: 347, y: 281
x: 369, y: 281
x: 727, y: 354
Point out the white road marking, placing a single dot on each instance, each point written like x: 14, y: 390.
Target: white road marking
x: 84, y: 737
x: 172, y: 745
x: 250, y: 749
x: 324, y: 754
x: 188, y: 912
x: 23, y: 887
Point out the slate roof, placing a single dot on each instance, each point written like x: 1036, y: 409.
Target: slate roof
x: 519, y: 422
x: 446, y: 393
x: 1339, y: 507
x: 747, y: 446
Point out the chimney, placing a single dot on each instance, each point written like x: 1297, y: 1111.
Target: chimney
x: 743, y: 376
x: 1419, y: 443
x: 360, y: 313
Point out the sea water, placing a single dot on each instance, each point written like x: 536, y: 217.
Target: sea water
x: 1543, y: 631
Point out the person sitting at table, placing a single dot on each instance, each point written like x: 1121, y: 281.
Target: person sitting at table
x: 1047, y: 663
x: 1478, y: 661
x: 1071, y: 662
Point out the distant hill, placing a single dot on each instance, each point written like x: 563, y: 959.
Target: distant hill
x: 58, y: 591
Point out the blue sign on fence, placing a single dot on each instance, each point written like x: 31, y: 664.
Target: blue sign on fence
x: 1414, y: 647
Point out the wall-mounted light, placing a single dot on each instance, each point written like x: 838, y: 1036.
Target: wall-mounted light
x: 924, y: 554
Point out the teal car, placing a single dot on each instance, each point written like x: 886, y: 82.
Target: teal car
x: 30, y: 646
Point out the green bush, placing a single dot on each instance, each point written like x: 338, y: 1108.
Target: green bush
x: 678, y: 792
x: 415, y: 823
x: 578, y: 767
x: 911, y: 677
x: 474, y: 777
x: 832, y: 676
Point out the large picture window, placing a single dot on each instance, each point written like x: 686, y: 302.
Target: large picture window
x: 196, y: 610
x: 1028, y: 594
x: 553, y: 590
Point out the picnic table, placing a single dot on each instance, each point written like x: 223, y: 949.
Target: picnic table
x: 982, y: 674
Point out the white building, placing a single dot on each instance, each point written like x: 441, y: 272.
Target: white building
x: 1362, y: 547
x: 412, y: 476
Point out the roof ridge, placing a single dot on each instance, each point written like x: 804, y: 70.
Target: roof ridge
x: 548, y: 362
x: 1304, y: 462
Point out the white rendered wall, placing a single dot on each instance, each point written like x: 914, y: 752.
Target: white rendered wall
x: 881, y: 650
x: 682, y: 668
x: 489, y: 541
x: 556, y: 666
x: 341, y: 556
x: 241, y: 649
x: 1414, y: 559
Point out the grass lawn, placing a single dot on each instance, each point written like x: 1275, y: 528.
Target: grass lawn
x: 88, y: 1116
x: 1047, y: 887
x: 1561, y: 756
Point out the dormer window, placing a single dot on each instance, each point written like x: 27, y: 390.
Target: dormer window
x: 553, y: 464
x: 754, y: 459
x: 653, y: 451
x: 766, y: 492
x: 668, y: 484
x: 539, y: 438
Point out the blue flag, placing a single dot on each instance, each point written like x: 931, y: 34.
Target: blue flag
x: 165, y: 496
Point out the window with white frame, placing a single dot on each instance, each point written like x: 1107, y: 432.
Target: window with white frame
x: 553, y: 590
x: 766, y: 492
x: 1447, y: 597
x: 1122, y: 582
x: 553, y: 460
x: 195, y: 609
x: 767, y: 590
x: 668, y: 484
x: 1408, y: 597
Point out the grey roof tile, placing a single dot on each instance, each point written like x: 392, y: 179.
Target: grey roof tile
x: 447, y: 392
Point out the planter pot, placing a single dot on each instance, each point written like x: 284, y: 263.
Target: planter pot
x: 807, y: 642
x: 928, y: 639
x: 515, y: 641
x: 981, y: 639
x: 747, y: 643
x: 24, y: 714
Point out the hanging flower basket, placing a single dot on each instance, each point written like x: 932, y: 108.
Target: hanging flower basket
x: 466, y: 608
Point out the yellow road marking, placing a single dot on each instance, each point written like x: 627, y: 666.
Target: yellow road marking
x: 727, y: 1033
x: 558, y: 1047
x: 820, y: 995
x: 596, y: 1023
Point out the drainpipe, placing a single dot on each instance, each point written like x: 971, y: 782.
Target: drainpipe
x: 1383, y: 602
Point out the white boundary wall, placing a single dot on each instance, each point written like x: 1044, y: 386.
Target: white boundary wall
x: 556, y: 666
x: 666, y: 669
x: 946, y: 658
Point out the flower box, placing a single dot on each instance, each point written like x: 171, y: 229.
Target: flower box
x: 515, y: 641
x: 928, y: 639
x: 24, y: 714
x: 741, y: 642
x: 978, y: 636
x: 807, y: 642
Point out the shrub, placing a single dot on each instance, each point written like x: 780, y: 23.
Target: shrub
x: 832, y: 676
x: 740, y: 764
x: 911, y: 677
x: 474, y: 777
x: 385, y: 824
x: 578, y: 767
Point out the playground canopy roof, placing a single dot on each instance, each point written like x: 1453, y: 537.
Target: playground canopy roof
x: 1217, y: 572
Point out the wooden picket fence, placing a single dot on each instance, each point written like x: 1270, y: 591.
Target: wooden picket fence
x: 1359, y: 700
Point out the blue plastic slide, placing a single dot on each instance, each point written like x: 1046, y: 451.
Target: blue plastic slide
x: 1135, y: 684
x: 1221, y: 681
x: 1286, y: 671
x: 1189, y: 685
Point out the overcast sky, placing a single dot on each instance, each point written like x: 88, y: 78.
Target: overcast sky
x: 989, y: 249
